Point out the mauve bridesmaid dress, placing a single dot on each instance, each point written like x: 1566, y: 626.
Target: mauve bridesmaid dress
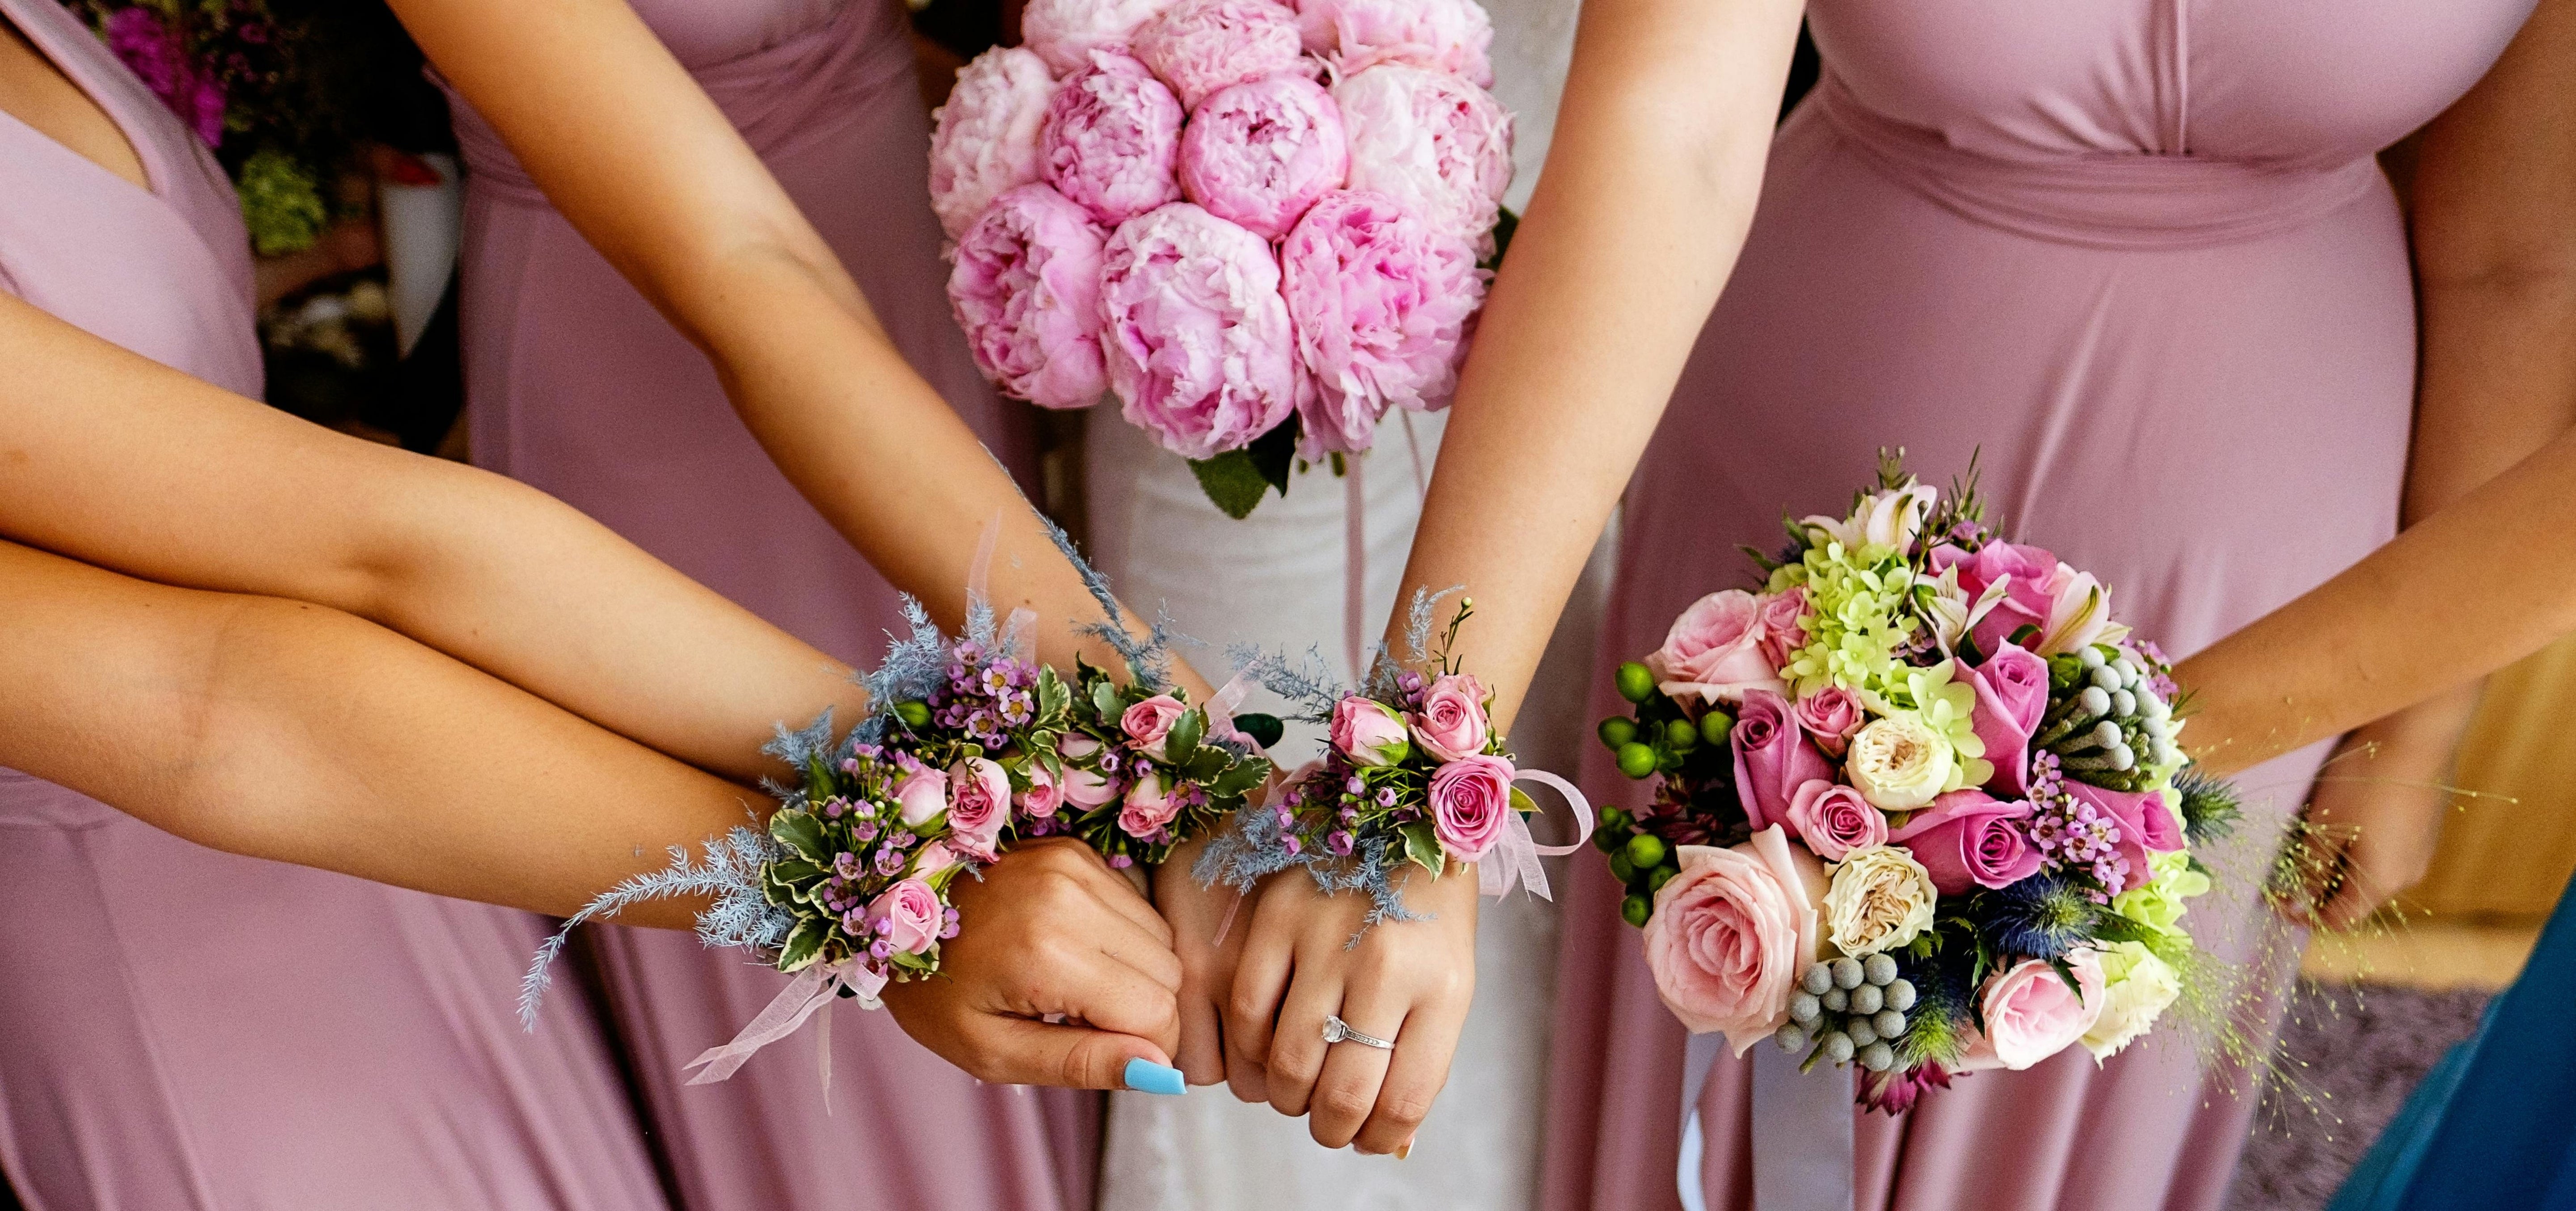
x: 576, y: 385
x: 2137, y: 254
x: 181, y: 1028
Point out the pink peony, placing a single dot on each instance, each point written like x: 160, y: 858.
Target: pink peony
x: 1111, y: 136
x: 2031, y: 1014
x: 1043, y: 797
x: 1451, y: 36
x: 1026, y: 290
x: 2146, y: 825
x: 985, y: 142
x: 1200, y: 46
x: 1259, y: 154
x: 1714, y: 651
x: 1369, y: 732
x: 1066, y: 32
x: 1832, y: 820
x: 1149, y: 721
x: 1783, y: 631
x: 1969, y: 839
x: 1200, y: 349
x: 1439, y: 146
x: 912, y: 915
x: 2012, y: 696
x: 1471, y: 804
x: 978, y: 806
x: 920, y: 794
x: 1383, y: 305
x: 1451, y: 723
x: 1772, y: 758
x: 1732, y: 933
x: 1150, y: 807
x: 1830, y: 715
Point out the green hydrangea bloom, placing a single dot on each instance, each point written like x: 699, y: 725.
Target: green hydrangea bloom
x: 2157, y: 907
x: 1949, y: 708
x: 1857, y: 619
x: 280, y: 203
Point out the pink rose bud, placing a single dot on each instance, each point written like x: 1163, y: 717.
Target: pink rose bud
x: 1451, y: 722
x: 912, y: 913
x: 932, y: 859
x: 1368, y: 732
x: 1471, y: 805
x: 1149, y: 807
x: 1382, y: 304
x: 1026, y: 290
x: 1833, y: 820
x: 2012, y: 696
x: 1830, y: 716
x: 1086, y: 789
x: 1259, y: 154
x: 1732, y: 933
x: 1076, y: 745
x: 1200, y: 349
x: 1043, y: 797
x: 985, y: 143
x: 979, y: 804
x: 1782, y: 635
x: 1112, y: 135
x: 1968, y: 839
x: 1772, y: 758
x: 2031, y: 1014
x: 1147, y: 722
x: 1200, y: 46
x: 1065, y: 32
x: 1714, y: 651
x: 1441, y: 147
x: 1453, y: 36
x: 921, y: 794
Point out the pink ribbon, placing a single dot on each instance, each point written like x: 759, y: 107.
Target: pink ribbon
x: 809, y: 993
x: 1516, y: 855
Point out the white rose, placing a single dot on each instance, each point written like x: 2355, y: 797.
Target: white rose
x: 1880, y: 899
x: 1899, y: 763
x: 2139, y: 986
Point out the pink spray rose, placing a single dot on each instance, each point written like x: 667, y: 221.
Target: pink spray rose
x: 932, y: 859
x: 1026, y: 291
x: 1833, y: 820
x: 2012, y: 696
x: 1442, y: 148
x: 1967, y: 839
x: 1043, y: 797
x: 1772, y: 757
x: 1451, y: 36
x: 1471, y: 804
x: 1369, y: 732
x: 1451, y: 723
x: 1259, y: 154
x: 2026, y: 596
x: 1831, y: 715
x: 1086, y: 789
x: 1782, y: 632
x: 1714, y: 651
x: 1732, y: 933
x: 2146, y: 824
x: 2031, y: 1014
x: 1149, y: 721
x: 1200, y: 46
x: 1200, y: 349
x: 985, y: 142
x: 1149, y: 807
x: 1065, y: 32
x: 1382, y: 304
x: 921, y: 793
x: 978, y: 806
x: 1112, y: 135
x: 912, y: 914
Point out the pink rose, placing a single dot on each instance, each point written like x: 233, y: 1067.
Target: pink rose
x: 1112, y: 134
x: 1471, y: 804
x: 1783, y: 629
x: 1026, y: 290
x: 985, y: 142
x: 1200, y: 349
x: 1043, y: 797
x: 912, y: 915
x: 1451, y: 723
x: 2026, y: 595
x: 2031, y: 1014
x: 1149, y: 807
x: 1200, y: 46
x: 1086, y: 789
x: 2146, y: 824
x: 1076, y: 745
x: 1451, y: 36
x: 1968, y: 838
x: 1833, y: 820
x: 1065, y: 32
x: 1714, y: 651
x: 978, y: 807
x: 1441, y: 147
x: 1383, y: 305
x: 1368, y: 732
x: 1147, y: 722
x: 1259, y: 154
x: 2012, y: 696
x: 1732, y: 933
x: 1830, y: 715
x: 1772, y: 757
x: 933, y: 859
x: 920, y: 794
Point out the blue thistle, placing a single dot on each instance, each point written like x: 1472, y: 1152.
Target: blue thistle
x: 1944, y: 1010
x: 2041, y: 917
x: 2210, y: 806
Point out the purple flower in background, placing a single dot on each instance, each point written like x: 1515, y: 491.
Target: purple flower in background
x: 152, y: 51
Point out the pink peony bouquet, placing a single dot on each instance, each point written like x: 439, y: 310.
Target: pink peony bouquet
x: 1918, y: 804
x: 1287, y: 212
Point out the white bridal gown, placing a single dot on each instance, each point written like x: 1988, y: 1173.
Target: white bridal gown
x: 1276, y: 579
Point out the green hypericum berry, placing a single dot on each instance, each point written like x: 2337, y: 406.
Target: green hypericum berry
x: 1636, y: 682
x: 1621, y: 868
x: 1681, y: 735
x: 1714, y: 726
x: 1656, y: 878
x: 1617, y: 730
x: 1636, y: 909
x: 1636, y: 760
x: 1646, y: 851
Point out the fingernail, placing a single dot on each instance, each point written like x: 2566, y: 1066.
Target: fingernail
x: 1404, y: 1151
x: 1146, y: 1076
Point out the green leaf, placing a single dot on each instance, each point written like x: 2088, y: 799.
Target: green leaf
x: 793, y: 871
x: 1182, y: 742
x: 1274, y: 454
x: 1265, y: 730
x: 1423, y: 847
x: 1206, y: 764
x: 1232, y: 481
x: 1505, y: 225
x: 1104, y: 698
x: 1239, y: 778
x: 801, y: 832
x: 804, y: 945
x: 1053, y: 697
x: 1523, y: 803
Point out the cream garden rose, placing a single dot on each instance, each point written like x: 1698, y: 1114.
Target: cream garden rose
x: 1880, y: 899
x: 1899, y: 763
x: 2137, y: 986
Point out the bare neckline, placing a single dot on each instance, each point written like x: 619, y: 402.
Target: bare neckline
x: 41, y: 41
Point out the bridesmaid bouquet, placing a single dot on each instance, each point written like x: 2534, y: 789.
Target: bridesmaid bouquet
x: 1918, y: 804
x: 1159, y: 199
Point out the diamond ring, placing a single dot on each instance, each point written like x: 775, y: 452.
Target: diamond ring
x: 1338, y: 1031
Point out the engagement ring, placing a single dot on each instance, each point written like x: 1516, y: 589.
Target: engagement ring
x: 1338, y: 1031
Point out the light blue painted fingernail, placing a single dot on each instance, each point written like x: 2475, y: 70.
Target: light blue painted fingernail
x: 1146, y: 1076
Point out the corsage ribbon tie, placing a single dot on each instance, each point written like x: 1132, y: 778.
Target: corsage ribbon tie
x: 1516, y: 855
x: 811, y: 992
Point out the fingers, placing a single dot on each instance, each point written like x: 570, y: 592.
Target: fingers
x: 1101, y: 989
x: 1202, y: 1053
x: 1414, y: 1080
x: 1346, y: 1091
x: 1260, y: 981
x: 1018, y: 1051
x: 1080, y: 862
x: 1297, y: 1046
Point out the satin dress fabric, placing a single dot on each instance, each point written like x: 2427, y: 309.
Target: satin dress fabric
x: 182, y: 1028
x: 577, y: 386
x: 2137, y: 260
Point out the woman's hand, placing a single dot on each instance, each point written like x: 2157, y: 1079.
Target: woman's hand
x: 1049, y: 930
x: 2377, y: 812
x: 1405, y: 981
x: 1197, y: 916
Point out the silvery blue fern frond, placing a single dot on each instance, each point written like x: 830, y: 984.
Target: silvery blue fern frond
x: 1253, y: 849
x: 1308, y: 684
x: 740, y: 916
